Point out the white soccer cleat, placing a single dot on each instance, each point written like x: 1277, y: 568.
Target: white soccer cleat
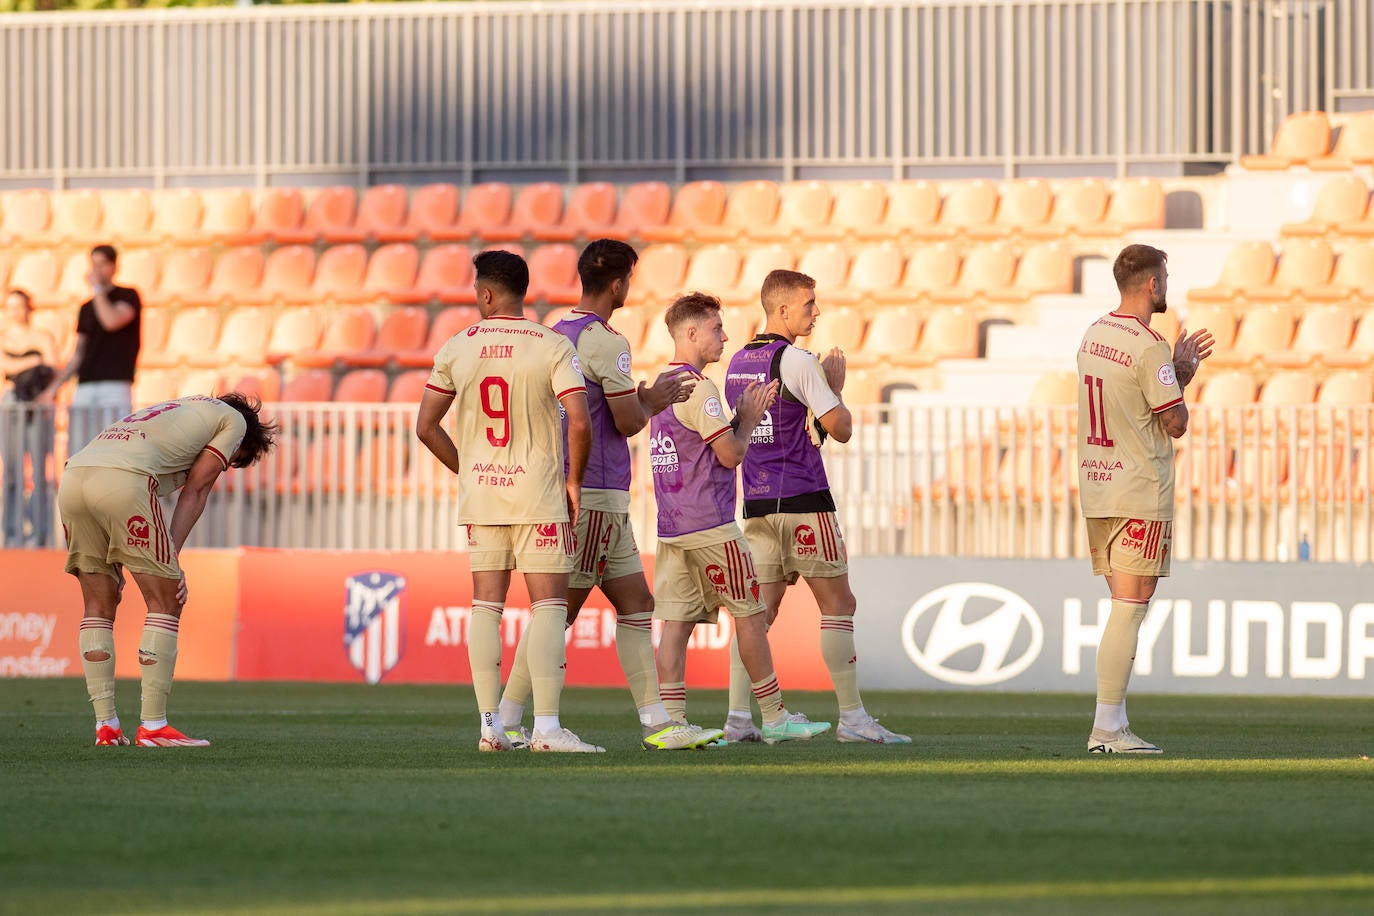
x: 495, y: 741
x: 519, y: 737
x: 741, y: 730
x: 868, y: 731
x: 1121, y: 741
x: 562, y: 741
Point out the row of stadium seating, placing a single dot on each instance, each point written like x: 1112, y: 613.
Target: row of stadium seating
x: 701, y: 211
x: 1304, y: 140
x: 1304, y: 268
x: 877, y: 273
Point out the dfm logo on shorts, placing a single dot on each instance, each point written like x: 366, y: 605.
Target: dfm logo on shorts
x: 1135, y: 534
x: 547, y: 536
x: 717, y: 577
x: 138, y: 532
x: 969, y: 616
x: 804, y: 537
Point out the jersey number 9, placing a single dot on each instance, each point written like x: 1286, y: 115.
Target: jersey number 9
x: 496, y: 405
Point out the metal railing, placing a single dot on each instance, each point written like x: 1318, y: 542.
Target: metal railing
x: 1254, y: 483
x: 670, y: 88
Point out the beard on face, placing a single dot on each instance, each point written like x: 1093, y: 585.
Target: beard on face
x: 1159, y: 305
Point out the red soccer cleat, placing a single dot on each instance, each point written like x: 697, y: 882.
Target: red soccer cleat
x: 105, y: 736
x: 166, y: 736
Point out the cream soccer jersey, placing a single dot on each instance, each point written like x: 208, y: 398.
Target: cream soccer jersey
x: 1125, y: 457
x: 507, y: 376
x: 164, y: 440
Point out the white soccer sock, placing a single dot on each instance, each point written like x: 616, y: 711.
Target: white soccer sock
x: 112, y: 723
x: 1109, y: 718
x: 154, y: 724
x: 653, y: 714
x: 547, y: 725
x: 854, y: 716
x: 512, y: 713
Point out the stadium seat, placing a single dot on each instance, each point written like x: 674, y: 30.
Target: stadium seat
x: 861, y: 207
x: 1288, y: 388
x: 346, y: 332
x: 434, y: 208
x: 280, y: 217
x: 970, y: 205
x: 911, y: 211
x: 841, y: 327
x: 138, y: 268
x: 265, y: 386
x: 1218, y: 317
x: 643, y: 206
x: 331, y: 218
x: 1080, y: 202
x: 877, y: 269
x: 1024, y: 204
x: 339, y: 276
x: 1263, y: 330
x: 1322, y: 329
x: 485, y: 206
x: 740, y: 324
x: 153, y: 386
x: 1304, y: 263
x: 176, y: 219
x: 1029, y: 473
x: 828, y: 265
x: 402, y: 330
x: 194, y: 331
x: 408, y: 387
x: 60, y: 328
x: 862, y: 387
x: 311, y: 386
x: 537, y: 206
x: 286, y: 277
x: 630, y: 324
x: 1353, y: 278
x: 362, y: 386
x: 127, y: 214
x: 659, y: 273
x: 1229, y: 388
x: 931, y: 268
x: 758, y: 263
x: 1354, y: 145
x: 987, y: 269
x: 76, y: 219
x: 1247, y: 265
x: 296, y: 330
x: 199, y: 381
x: 950, y: 333
x: 242, y: 341
x: 657, y: 348
x: 1360, y: 353
x: 72, y: 285
x: 1340, y: 201
x: 553, y: 275
x: 892, y: 336
x: 381, y: 212
x: 1302, y: 137
x: 1136, y: 203
x: 37, y: 273
x: 24, y: 217
x: 1257, y: 474
x: 712, y: 269
x: 803, y: 213
x: 590, y: 214
x: 697, y: 204
x: 446, y: 274
x: 236, y: 276
x: 154, y: 324
x: 1166, y: 325
x: 391, y: 267
x: 447, y: 323
x: 751, y: 204
x: 1042, y: 269
x: 1347, y: 394
x: 227, y: 218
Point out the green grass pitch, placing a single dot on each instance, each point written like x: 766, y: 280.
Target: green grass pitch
x: 323, y: 799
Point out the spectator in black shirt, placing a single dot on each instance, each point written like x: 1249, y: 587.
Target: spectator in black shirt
x: 107, y: 339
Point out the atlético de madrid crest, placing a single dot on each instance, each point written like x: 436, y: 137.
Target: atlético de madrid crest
x: 374, y: 622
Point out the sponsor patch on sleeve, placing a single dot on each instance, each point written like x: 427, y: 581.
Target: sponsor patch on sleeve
x: 623, y: 362
x: 577, y: 364
x: 1166, y: 375
x: 712, y: 407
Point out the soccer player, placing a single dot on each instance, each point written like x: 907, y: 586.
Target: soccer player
x: 509, y: 376
x: 1129, y: 407
x: 789, y: 514
x: 606, y: 552
x: 108, y: 499
x: 703, y: 559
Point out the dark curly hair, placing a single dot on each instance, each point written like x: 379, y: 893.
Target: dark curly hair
x: 261, y: 434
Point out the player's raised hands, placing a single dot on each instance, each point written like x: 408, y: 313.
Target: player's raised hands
x: 834, y: 365
x: 755, y: 401
x: 1189, y: 352
x: 673, y: 386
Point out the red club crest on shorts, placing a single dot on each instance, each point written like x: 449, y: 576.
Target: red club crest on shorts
x: 717, y: 577
x: 138, y: 528
x: 754, y: 588
x: 1135, y: 529
x: 804, y: 536
x: 546, y: 530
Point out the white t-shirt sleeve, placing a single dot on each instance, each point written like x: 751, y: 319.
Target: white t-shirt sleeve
x: 802, y: 375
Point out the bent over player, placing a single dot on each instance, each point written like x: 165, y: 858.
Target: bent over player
x: 789, y: 514
x: 703, y: 560
x: 112, y: 519
x: 509, y: 375
x: 1130, y: 405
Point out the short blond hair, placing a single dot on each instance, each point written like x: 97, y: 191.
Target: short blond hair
x: 782, y: 281
x: 690, y: 307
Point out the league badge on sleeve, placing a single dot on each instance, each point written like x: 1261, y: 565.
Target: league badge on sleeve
x: 374, y: 613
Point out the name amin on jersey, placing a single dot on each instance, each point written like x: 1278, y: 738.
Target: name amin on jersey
x: 498, y: 351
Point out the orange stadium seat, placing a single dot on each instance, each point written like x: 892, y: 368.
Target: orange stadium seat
x: 1248, y: 265
x: 803, y: 213
x: 1340, y: 201
x: 861, y: 207
x: 912, y: 209
x: 1303, y: 264
x: 339, y: 275
x: 1322, y: 329
x: 76, y: 218
x: 346, y: 332
x: 841, y: 327
x: 696, y: 204
x: 1219, y: 318
x: 154, y: 323
x: 1229, y: 388
x: 1353, y: 277
x: 1136, y: 203
x: 553, y: 275
x: 713, y: 269
x: 1080, y: 202
x: 643, y: 205
x: 950, y: 333
x: 153, y: 386
x: 235, y: 277
x: 296, y: 330
x: 265, y: 386
x: 330, y: 218
x: 227, y: 217
x: 362, y: 386
x: 433, y: 208
x: 280, y: 216
x: 72, y: 285
x: 931, y: 268
x: 1258, y: 473
x: 1166, y: 325
x: 740, y: 323
x: 656, y: 349
x: 199, y: 381
x: 659, y: 273
x: 1263, y: 330
x: 446, y: 274
x: 242, y: 340
x: 537, y: 206
x: 828, y: 265
x: 892, y: 337
x: 447, y: 323
x: 127, y: 214
x: 987, y: 269
x: 1024, y: 205
x: 1302, y: 137
x: 24, y: 217
x: 287, y: 276
x: 382, y: 211
x: 970, y: 205
x: 485, y: 206
x: 1348, y: 394
x: 1042, y: 269
x: 193, y: 332
x: 751, y: 204
x: 1354, y: 145
x: 408, y: 387
x: 139, y: 269
x: 590, y: 214
x: 877, y: 269
x: 37, y: 273
x: 1289, y: 388
x: 311, y: 386
x: 176, y: 217
x: 630, y: 323
x: 1360, y: 353
x: 758, y: 263
x: 402, y: 330
x: 391, y: 267
x: 60, y: 327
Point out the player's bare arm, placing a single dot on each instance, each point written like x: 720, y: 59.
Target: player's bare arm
x: 749, y: 410
x: 579, y: 447
x: 429, y: 428
x: 200, y: 480
x: 1189, y: 352
x: 673, y: 386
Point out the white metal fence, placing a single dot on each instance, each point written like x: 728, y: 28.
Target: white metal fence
x: 1254, y: 483
x: 676, y: 89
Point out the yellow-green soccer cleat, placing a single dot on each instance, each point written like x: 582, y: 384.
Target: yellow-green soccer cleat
x: 678, y: 736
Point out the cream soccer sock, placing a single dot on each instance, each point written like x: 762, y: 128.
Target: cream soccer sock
x: 98, y: 663
x: 837, y: 649
x: 634, y: 646
x: 1115, y: 657
x: 674, y: 700
x: 769, y: 695
x: 484, y: 658
x: 740, y: 706
x: 157, y: 658
x: 547, y: 659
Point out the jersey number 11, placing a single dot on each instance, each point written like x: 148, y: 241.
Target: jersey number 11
x: 1097, y: 414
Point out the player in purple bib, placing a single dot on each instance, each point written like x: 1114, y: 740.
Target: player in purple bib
x: 789, y: 514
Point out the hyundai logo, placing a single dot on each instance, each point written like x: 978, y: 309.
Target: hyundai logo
x: 996, y: 632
